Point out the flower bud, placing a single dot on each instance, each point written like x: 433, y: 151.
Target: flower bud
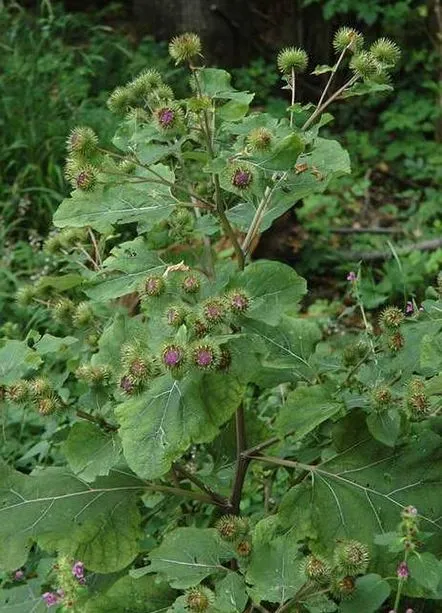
x: 18, y: 391
x: 173, y: 356
x: 386, y: 52
x: 354, y: 353
x: 48, y: 405
x: 225, y: 359
x: 260, y: 139
x: 83, y: 315
x: 352, y: 557
x: 391, y: 318
x: 127, y: 167
x: 292, y: 58
x: 347, y: 38
x: 93, y: 375
x: 168, y: 117
x: 164, y: 92
x: 199, y: 599
x: 344, y: 587
x: 214, y: 311
x: 86, y: 178
x: 175, y: 316
x: 154, y: 286
x: 395, y: 341
x: 120, y: 101
x: 381, y: 397
x: 241, y: 176
x: 316, y: 570
x: 205, y: 356
x: 244, y: 548
x: 238, y: 301
x: 127, y: 384
x: 40, y: 387
x: 82, y: 140
x: 191, y: 284
x: 417, y: 399
x: 364, y: 65
x: 62, y: 310
x: 231, y: 527
x: 144, y: 84
x: 185, y: 47
x: 25, y: 295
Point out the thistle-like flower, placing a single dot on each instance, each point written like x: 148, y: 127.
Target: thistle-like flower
x: 185, y: 48
x: 164, y: 92
x: 48, y: 405
x: 205, y: 356
x: 364, y: 65
x: 191, y: 284
x: 127, y: 384
x: 244, y: 548
x: 120, y: 101
x: 403, y: 571
x: 63, y: 309
x: 83, y: 315
x: 292, y: 59
x: 391, y: 318
x: 93, y: 375
x: 241, y: 175
x: 344, y: 587
x: 199, y: 599
x: 168, y: 117
x: 175, y: 316
x: 238, y: 301
x: 231, y: 527
x: 347, y: 38
x: 82, y: 140
x: 395, y: 341
x: 144, y: 84
x: 381, y: 397
x: 154, y: 286
x: 352, y: 557
x: 214, y: 311
x: 417, y: 399
x: 173, y: 356
x: 225, y: 359
x: 127, y: 167
x: 85, y: 178
x: 18, y: 391
x: 260, y: 139
x: 316, y: 569
x: 386, y: 52
x: 25, y: 295
x: 40, y: 387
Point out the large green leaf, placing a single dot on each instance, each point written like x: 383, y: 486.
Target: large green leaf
x: 124, y: 270
x: 159, y: 425
x: 285, y: 348
x: 16, y: 359
x: 90, y: 451
x: 148, y: 200
x: 128, y: 595
x: 23, y: 598
x: 231, y: 594
x: 362, y: 490
x: 305, y: 409
x: 273, y: 573
x: 274, y: 288
x: 98, y: 523
x: 188, y: 555
x: 326, y: 161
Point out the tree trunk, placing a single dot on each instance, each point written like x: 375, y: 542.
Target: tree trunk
x: 222, y: 24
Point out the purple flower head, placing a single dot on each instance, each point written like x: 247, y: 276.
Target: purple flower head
x: 409, y: 309
x: 78, y: 570
x: 214, y: 311
x: 166, y: 117
x: 239, y: 302
x: 51, y: 598
x: 203, y: 356
x: 409, y: 511
x: 173, y: 356
x: 241, y: 178
x: 154, y: 286
x: 127, y: 384
x: 402, y: 570
x: 191, y: 284
x: 19, y: 575
x: 351, y: 276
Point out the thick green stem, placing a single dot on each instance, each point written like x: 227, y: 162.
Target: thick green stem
x: 333, y: 97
